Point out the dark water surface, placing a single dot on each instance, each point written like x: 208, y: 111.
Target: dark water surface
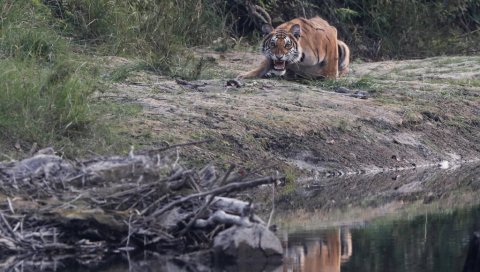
x: 430, y: 242
x: 433, y: 242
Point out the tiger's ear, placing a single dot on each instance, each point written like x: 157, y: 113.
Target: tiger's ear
x: 266, y: 29
x: 296, y: 31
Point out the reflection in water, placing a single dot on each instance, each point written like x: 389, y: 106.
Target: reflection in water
x: 323, y: 253
x: 426, y: 243
x: 431, y: 242
x: 472, y: 262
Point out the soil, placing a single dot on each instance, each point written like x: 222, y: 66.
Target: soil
x: 382, y: 116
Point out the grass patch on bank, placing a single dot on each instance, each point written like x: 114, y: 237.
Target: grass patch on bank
x: 50, y: 69
x: 365, y: 83
x: 51, y: 106
x: 45, y: 87
x: 38, y: 104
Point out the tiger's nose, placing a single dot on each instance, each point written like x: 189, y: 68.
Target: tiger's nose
x: 279, y: 57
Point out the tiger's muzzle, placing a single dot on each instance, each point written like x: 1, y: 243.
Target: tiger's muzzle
x: 279, y: 65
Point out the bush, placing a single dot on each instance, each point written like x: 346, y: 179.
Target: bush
x: 158, y: 31
x: 41, y: 105
x: 26, y: 33
x: 377, y: 29
x: 168, y: 28
x: 43, y: 95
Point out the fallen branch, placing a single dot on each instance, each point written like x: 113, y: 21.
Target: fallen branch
x: 224, y: 189
x: 190, y: 85
x: 89, y: 208
x: 221, y: 217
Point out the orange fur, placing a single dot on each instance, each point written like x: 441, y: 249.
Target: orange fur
x: 319, y: 54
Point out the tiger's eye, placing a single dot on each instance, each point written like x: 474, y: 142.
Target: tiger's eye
x: 288, y: 44
x: 272, y: 44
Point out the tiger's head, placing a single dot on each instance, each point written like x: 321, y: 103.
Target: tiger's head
x: 281, y: 46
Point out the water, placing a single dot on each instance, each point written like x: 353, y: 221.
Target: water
x: 434, y: 241
x: 429, y: 242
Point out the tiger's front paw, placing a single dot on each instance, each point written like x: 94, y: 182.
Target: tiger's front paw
x: 245, y: 75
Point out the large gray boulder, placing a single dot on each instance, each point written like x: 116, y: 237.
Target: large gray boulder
x: 252, y: 244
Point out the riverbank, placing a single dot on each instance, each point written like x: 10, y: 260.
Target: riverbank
x: 382, y: 116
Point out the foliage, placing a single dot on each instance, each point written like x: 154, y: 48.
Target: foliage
x: 158, y: 31
x: 392, y: 29
x: 26, y: 33
x: 46, y: 77
x: 44, y: 86
x: 41, y: 104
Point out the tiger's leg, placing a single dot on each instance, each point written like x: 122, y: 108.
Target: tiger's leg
x: 262, y: 70
x: 330, y: 70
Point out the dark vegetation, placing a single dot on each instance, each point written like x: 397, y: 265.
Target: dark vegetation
x: 49, y: 65
x: 403, y: 29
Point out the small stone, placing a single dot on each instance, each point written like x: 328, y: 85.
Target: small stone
x: 444, y: 165
x: 360, y: 94
x: 342, y: 90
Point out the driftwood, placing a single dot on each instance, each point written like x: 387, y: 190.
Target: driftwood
x: 91, y: 208
x: 190, y: 85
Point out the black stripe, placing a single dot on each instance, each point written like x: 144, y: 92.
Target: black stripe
x: 267, y: 39
x: 340, y: 52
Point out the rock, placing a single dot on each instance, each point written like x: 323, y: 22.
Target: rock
x: 360, y: 94
x: 171, y: 219
x: 255, y: 244
x: 343, y: 90
x: 39, y: 167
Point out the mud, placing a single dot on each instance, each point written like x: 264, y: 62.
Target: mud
x: 382, y: 116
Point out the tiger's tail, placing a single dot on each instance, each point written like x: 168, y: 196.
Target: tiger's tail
x: 343, y: 58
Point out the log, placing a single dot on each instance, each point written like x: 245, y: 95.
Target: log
x: 221, y: 217
x: 236, y: 207
x: 51, y: 205
x: 231, y: 205
x: 234, y: 186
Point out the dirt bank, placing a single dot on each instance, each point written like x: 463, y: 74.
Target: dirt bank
x: 384, y: 115
x: 356, y: 199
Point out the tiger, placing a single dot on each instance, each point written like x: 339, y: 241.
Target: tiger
x: 307, y: 48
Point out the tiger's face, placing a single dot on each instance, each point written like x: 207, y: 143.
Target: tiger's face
x: 281, y: 47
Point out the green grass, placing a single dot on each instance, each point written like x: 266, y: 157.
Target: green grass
x: 26, y: 35
x: 365, y: 83
x: 467, y: 82
x: 54, y: 106
x: 50, y: 68
x: 42, y: 105
x: 123, y: 72
x: 45, y: 88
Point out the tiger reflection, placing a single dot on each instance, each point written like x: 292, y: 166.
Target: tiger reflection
x: 325, y: 253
